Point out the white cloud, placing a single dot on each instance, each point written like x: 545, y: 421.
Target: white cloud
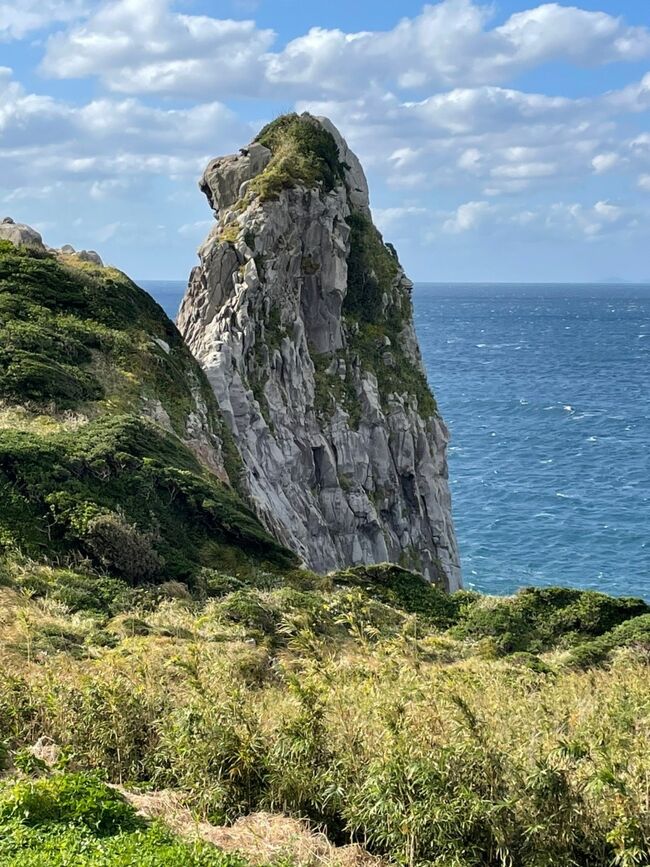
x: 143, y: 46
x: 525, y: 171
x: 100, y: 190
x: 20, y: 17
x: 388, y: 218
x: 644, y: 183
x: 196, y: 229
x: 466, y: 217
x: 590, y: 221
x: 450, y: 43
x: 604, y: 162
x: 106, y: 140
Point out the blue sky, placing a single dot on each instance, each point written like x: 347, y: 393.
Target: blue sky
x: 507, y: 141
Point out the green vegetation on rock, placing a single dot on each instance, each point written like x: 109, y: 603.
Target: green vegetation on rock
x: 303, y: 152
x: 84, y: 474
x: 376, y: 310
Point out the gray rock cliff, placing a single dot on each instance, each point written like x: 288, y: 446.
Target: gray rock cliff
x: 301, y: 317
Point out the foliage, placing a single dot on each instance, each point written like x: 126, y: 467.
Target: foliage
x: 379, y: 310
x: 68, y: 800
x: 77, y: 819
x: 107, y: 484
x: 122, y: 480
x: 368, y: 702
x: 303, y: 152
x: 376, y: 309
x: 537, y: 619
x: 408, y: 591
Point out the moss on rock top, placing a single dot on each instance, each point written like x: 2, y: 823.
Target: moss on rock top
x: 303, y: 152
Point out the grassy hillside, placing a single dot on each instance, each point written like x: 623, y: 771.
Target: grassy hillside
x: 462, y: 730
x: 109, y: 433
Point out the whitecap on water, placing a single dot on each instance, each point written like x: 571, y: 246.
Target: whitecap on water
x: 592, y: 439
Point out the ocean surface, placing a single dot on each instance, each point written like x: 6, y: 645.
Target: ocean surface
x: 546, y: 391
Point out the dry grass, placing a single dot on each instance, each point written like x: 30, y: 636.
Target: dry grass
x: 20, y: 418
x: 261, y: 838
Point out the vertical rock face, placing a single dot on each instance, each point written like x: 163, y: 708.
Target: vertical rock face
x: 301, y: 317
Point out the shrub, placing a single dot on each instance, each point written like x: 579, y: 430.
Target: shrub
x: 69, y: 799
x: 407, y: 590
x: 249, y: 609
x: 632, y: 633
x: 122, y: 548
x: 536, y: 619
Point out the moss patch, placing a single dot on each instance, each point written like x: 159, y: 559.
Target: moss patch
x: 303, y: 152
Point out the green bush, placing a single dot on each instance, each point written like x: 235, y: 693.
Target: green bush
x: 75, y: 819
x: 633, y: 633
x: 151, y: 847
x: 68, y: 799
x: 537, y: 619
x: 249, y: 608
x: 407, y: 590
x: 78, y: 591
x: 303, y: 152
x: 65, y: 485
x: 123, y: 549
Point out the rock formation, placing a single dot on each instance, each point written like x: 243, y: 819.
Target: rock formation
x: 301, y: 317
x: 19, y: 233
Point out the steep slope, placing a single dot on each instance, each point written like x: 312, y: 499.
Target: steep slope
x: 301, y: 317
x: 112, y: 451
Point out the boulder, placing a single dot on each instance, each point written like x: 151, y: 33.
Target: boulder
x: 21, y: 235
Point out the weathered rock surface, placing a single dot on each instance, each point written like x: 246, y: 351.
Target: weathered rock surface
x: 19, y: 233
x: 301, y: 317
x: 81, y: 255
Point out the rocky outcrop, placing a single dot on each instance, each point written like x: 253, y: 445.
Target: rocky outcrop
x: 19, y: 233
x: 80, y: 255
x: 301, y: 317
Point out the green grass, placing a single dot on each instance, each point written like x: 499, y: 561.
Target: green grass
x: 76, y: 819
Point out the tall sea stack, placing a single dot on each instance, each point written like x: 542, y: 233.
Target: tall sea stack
x: 301, y: 317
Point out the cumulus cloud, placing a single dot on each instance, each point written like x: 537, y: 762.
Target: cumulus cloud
x: 451, y: 43
x: 20, y: 17
x: 106, y: 140
x: 144, y: 46
x: 555, y: 220
x: 466, y: 217
x: 604, y: 162
x: 590, y: 221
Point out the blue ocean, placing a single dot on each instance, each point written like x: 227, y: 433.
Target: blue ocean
x: 546, y: 391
